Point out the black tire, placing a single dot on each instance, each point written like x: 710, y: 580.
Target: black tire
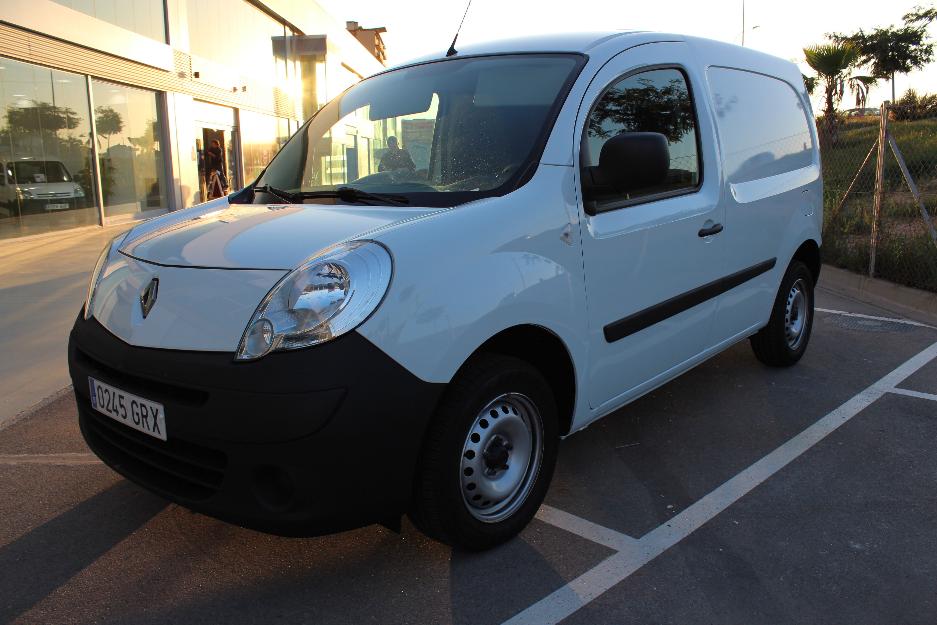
x: 771, y: 344
x: 439, y: 508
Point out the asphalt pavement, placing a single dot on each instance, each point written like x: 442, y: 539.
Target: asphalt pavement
x: 734, y: 494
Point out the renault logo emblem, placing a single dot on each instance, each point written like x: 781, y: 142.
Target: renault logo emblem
x: 148, y: 296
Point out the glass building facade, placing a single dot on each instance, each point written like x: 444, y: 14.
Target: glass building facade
x: 127, y: 138
x: 144, y: 17
x: 45, y: 150
x: 112, y: 123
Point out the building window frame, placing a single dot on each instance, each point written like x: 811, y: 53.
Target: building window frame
x: 95, y: 162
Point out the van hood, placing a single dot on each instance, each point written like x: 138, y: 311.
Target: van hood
x: 220, y: 235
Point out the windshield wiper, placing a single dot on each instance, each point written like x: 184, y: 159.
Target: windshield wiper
x: 286, y: 196
x: 345, y: 194
x: 350, y: 194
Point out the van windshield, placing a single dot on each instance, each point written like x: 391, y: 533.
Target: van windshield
x: 438, y: 134
x: 33, y: 172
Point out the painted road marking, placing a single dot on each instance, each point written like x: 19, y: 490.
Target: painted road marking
x: 586, y: 529
x: 49, y: 459
x: 906, y: 322
x: 909, y: 393
x: 616, y: 568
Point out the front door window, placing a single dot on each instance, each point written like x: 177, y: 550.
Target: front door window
x: 657, y: 101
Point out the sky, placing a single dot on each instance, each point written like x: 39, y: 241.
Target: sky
x: 779, y: 27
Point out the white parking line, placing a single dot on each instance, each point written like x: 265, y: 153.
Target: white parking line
x: 74, y: 459
x: 618, y: 567
x: 587, y: 529
x: 908, y: 392
x: 906, y: 322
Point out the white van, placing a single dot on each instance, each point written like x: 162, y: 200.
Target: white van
x: 29, y: 186
x: 450, y: 267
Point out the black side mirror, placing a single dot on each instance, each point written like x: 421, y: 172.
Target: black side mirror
x: 628, y: 162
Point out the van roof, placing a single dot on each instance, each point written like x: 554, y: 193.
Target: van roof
x: 556, y: 42
x: 601, y: 46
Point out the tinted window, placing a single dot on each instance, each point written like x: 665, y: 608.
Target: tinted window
x: 762, y: 125
x: 27, y: 172
x: 652, y: 101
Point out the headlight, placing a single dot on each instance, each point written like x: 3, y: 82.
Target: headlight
x: 79, y: 192
x: 98, y: 270
x: 327, y: 296
x: 24, y: 193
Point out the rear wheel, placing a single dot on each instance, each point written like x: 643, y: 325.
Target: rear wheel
x: 784, y: 340
x: 489, y: 455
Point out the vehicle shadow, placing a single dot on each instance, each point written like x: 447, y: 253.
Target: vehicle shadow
x: 492, y: 586
x: 188, y: 568
x: 36, y: 564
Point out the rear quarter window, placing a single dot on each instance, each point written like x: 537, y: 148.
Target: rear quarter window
x: 762, y: 125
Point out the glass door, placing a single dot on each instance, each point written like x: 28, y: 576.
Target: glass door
x: 217, y: 150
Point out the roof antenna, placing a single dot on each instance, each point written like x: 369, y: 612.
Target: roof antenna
x: 452, y: 51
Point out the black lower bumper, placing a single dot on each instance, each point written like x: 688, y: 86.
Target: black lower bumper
x: 297, y: 443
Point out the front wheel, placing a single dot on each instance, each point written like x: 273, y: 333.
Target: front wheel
x: 489, y: 455
x: 784, y: 340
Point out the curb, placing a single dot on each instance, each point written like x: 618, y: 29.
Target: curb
x: 912, y: 303
x: 39, y: 405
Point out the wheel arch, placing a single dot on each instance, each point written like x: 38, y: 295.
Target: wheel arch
x: 809, y: 254
x: 546, y: 352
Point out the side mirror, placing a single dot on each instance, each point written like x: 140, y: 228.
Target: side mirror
x: 628, y: 162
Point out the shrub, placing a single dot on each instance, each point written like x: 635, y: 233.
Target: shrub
x: 913, y: 106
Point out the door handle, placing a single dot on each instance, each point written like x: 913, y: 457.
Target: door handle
x: 711, y: 230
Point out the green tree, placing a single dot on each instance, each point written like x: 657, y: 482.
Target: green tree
x: 107, y: 122
x: 894, y: 50
x: 37, y: 130
x: 860, y: 86
x: 833, y: 63
x: 41, y: 117
x: 648, y: 107
x: 810, y: 83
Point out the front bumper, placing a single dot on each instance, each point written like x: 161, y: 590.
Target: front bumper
x: 297, y: 443
x: 40, y: 205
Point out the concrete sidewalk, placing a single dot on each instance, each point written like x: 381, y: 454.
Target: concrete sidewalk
x: 43, y: 282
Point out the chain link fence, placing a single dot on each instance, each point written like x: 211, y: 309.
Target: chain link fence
x: 880, y: 194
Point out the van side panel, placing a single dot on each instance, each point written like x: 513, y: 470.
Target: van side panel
x: 771, y: 187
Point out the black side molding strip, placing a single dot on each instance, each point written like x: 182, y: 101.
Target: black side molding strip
x: 642, y: 319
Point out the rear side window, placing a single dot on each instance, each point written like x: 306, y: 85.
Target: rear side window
x: 656, y: 100
x: 762, y: 124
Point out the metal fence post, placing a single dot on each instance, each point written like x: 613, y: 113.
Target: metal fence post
x: 879, y: 185
x: 913, y: 187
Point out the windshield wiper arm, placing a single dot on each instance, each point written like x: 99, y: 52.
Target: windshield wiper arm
x: 286, y: 196
x: 350, y: 194
x: 346, y: 194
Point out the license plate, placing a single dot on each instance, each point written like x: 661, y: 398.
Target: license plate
x: 56, y: 207
x: 141, y: 414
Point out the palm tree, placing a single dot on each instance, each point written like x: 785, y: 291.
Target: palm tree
x: 810, y: 83
x: 832, y: 62
x: 860, y: 86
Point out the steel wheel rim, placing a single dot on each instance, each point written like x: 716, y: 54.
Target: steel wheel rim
x: 501, y: 457
x: 796, y: 314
